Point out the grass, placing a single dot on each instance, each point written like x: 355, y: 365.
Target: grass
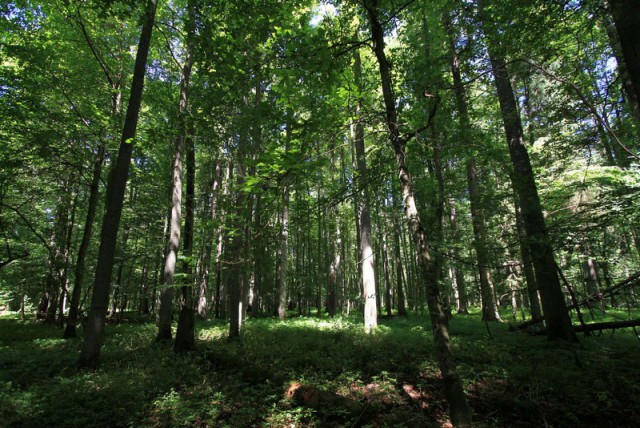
x: 511, y: 379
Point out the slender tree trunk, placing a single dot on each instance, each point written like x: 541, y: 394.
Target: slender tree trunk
x: 457, y: 275
x: 553, y: 302
x: 165, y: 312
x: 402, y: 311
x: 185, y: 333
x: 489, y: 307
x: 235, y: 252
x: 206, y: 262
x: 282, y: 251
x: 527, y: 266
x: 459, y: 410
x: 94, y: 192
x: 367, y: 270
x: 116, y: 185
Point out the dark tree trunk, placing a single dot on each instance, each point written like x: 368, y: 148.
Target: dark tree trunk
x: 527, y: 266
x: 626, y: 16
x: 489, y: 307
x: 94, y: 192
x: 116, y: 185
x: 553, y: 301
x: 185, y: 333
x: 459, y: 410
x: 402, y: 311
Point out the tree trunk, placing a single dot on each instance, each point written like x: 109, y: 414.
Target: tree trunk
x: 94, y: 192
x: 165, y: 312
x: 626, y: 16
x: 116, y: 185
x: 185, y: 333
x: 402, y: 311
x: 206, y: 262
x: 489, y: 307
x: 235, y: 252
x: 282, y: 251
x: 459, y: 410
x: 527, y: 266
x: 457, y: 275
x: 367, y: 270
x: 553, y: 301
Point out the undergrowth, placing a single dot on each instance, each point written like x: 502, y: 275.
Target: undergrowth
x: 511, y: 378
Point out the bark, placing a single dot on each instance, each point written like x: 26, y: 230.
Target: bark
x: 185, y: 333
x: 553, y: 301
x: 116, y: 185
x: 235, y: 253
x: 206, y: 262
x: 489, y: 307
x: 527, y: 266
x: 282, y: 251
x: 402, y: 311
x: 626, y: 16
x: 387, y: 276
x: 57, y: 257
x: 627, y: 87
x: 165, y: 311
x: 367, y: 270
x: 94, y: 192
x: 459, y: 410
x: 457, y: 275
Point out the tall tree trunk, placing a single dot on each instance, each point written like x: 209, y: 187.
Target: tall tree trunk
x: 459, y: 410
x: 367, y: 271
x: 553, y: 302
x: 614, y: 40
x: 116, y: 185
x: 203, y: 303
x: 402, y: 311
x: 457, y: 275
x: 94, y: 192
x: 283, y: 250
x: 489, y: 307
x: 165, y: 312
x: 185, y: 333
x: 527, y: 265
x: 236, y: 261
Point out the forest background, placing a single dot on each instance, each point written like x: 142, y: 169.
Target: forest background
x: 187, y: 161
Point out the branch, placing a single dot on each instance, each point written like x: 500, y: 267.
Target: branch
x: 30, y: 226
x: 12, y: 259
x: 94, y: 51
x: 432, y: 114
x: 584, y: 100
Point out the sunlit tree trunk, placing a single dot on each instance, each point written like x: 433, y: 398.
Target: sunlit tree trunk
x: 366, y: 250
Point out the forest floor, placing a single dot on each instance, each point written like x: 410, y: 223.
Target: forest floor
x: 351, y: 379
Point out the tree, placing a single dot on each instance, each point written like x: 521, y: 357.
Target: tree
x: 115, y: 196
x: 553, y: 303
x: 459, y: 410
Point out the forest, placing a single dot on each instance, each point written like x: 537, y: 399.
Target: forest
x: 359, y: 213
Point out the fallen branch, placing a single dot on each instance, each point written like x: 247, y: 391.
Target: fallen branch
x: 631, y: 280
x: 606, y: 325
